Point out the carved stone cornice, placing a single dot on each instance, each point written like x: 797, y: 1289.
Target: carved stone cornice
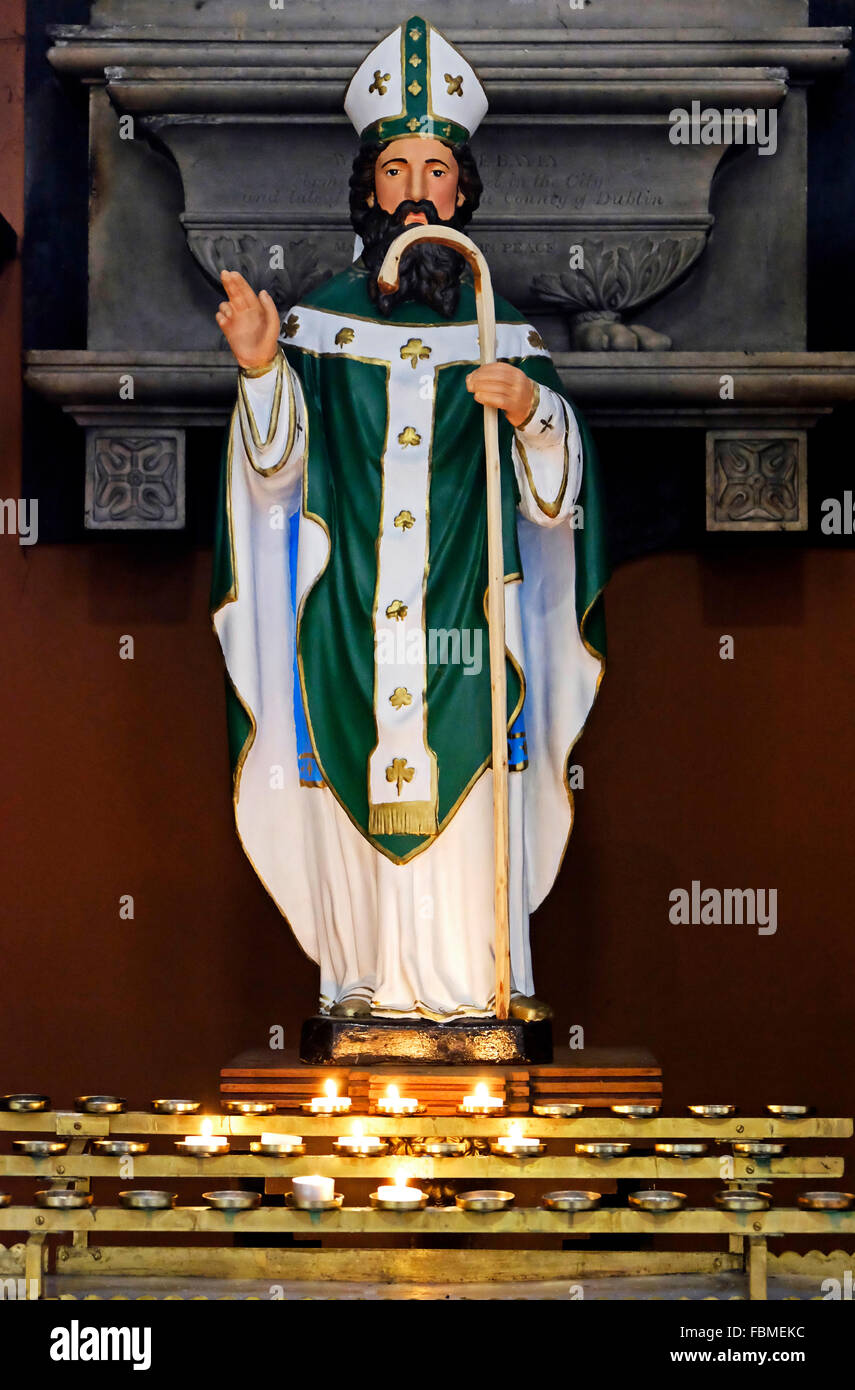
x: 83, y: 51
x: 613, y: 388
x: 535, y: 91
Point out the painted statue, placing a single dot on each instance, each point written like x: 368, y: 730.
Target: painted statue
x: 350, y: 578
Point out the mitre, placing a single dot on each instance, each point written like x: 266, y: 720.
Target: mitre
x: 415, y: 83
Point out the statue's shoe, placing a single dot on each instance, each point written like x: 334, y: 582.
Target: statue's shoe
x: 352, y: 1006
x: 528, y: 1008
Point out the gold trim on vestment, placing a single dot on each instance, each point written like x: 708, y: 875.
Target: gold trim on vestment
x: 531, y: 414
x: 231, y: 597
x: 261, y: 371
x: 550, y: 509
x: 274, y: 422
x: 402, y: 818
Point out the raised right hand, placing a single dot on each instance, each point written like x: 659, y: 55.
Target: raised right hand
x: 249, y: 321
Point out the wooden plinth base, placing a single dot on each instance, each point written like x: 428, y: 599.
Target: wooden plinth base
x: 593, y: 1077
x: 361, y: 1042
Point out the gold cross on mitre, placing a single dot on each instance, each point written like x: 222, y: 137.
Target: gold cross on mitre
x: 377, y: 85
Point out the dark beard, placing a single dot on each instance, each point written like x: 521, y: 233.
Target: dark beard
x: 429, y: 273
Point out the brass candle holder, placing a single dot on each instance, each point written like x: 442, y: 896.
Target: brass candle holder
x: 559, y: 1110
x: 119, y: 1148
x: 657, y: 1201
x: 101, y: 1105
x: 40, y: 1148
x: 248, y: 1107
x: 25, y: 1102
x: 146, y: 1199
x: 176, y: 1107
x: 233, y: 1201
x: 278, y: 1146
x: 604, y: 1150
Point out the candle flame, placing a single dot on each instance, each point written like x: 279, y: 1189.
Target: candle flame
x: 516, y: 1129
x: 401, y: 1179
x: 207, y: 1128
x: 482, y: 1093
x: 331, y: 1089
x: 358, y: 1129
x: 392, y: 1093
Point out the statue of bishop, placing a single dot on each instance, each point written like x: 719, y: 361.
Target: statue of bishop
x: 351, y: 572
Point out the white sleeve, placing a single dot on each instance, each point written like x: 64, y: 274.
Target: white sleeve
x: 547, y: 455
x: 271, y: 413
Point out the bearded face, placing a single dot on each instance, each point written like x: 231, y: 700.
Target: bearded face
x: 429, y: 274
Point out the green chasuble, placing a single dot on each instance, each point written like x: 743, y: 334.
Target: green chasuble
x: 395, y: 475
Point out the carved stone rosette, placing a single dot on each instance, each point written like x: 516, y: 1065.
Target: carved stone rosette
x: 134, y: 479
x: 757, y: 482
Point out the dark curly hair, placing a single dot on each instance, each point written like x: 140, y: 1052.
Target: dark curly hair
x: 362, y: 183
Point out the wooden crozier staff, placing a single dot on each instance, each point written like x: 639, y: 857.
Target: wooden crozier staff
x: 486, y: 313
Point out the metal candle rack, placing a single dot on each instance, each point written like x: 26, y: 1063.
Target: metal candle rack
x: 746, y: 1233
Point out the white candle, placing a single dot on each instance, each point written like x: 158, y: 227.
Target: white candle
x: 363, y: 1143
x: 410, y: 1195
x: 516, y: 1139
x: 207, y: 1140
x: 314, y: 1188
x: 482, y: 1100
x: 290, y: 1141
x: 400, y: 1192
x: 393, y: 1103
x: 331, y: 1103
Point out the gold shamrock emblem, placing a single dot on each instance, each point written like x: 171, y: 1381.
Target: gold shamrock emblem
x: 415, y: 351
x: 414, y: 88
x: 414, y: 124
x: 405, y: 520
x: 397, y: 610
x: 400, y: 697
x: 292, y: 326
x: 399, y: 773
x: 380, y: 78
x: 415, y: 61
x: 409, y: 436
x: 415, y: 34
x: 535, y: 339
x: 344, y: 336
x: 455, y: 85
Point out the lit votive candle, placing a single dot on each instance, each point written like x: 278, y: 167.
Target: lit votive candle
x: 516, y: 1140
x: 330, y: 1103
x: 314, y: 1188
x: 206, y: 1144
x: 481, y: 1103
x: 393, y: 1103
x: 400, y: 1193
x: 352, y: 1145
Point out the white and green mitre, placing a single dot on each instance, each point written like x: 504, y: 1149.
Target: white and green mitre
x: 415, y: 83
